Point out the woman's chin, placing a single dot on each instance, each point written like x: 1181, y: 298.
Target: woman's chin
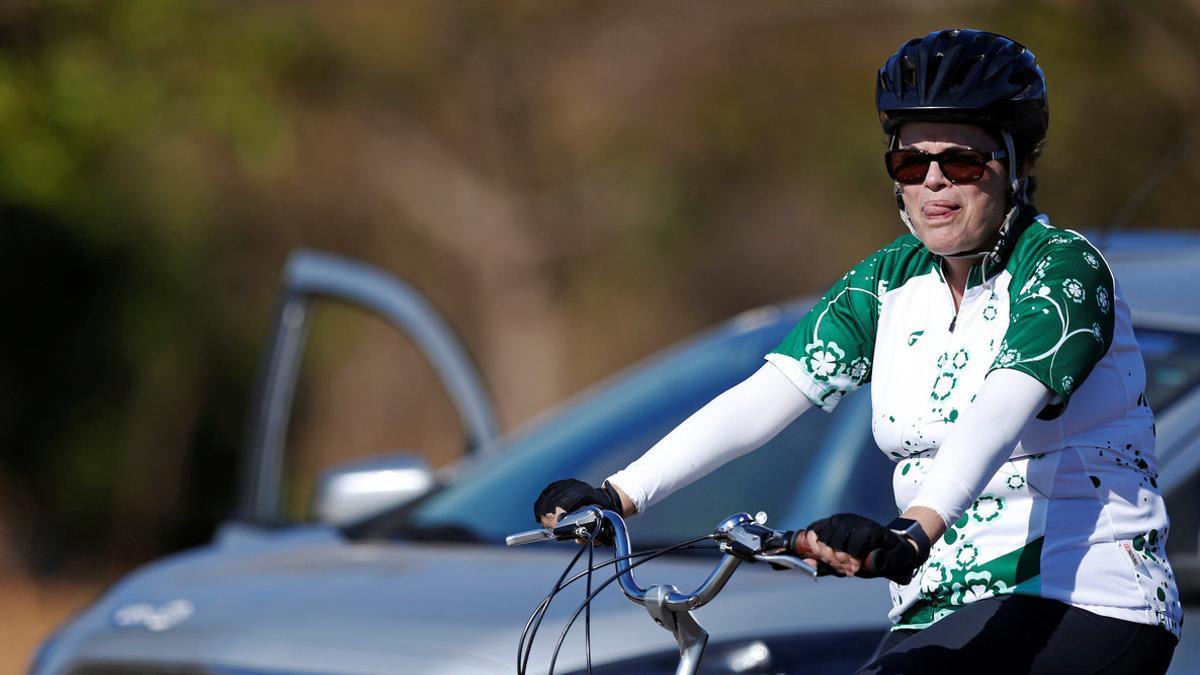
x: 939, y: 244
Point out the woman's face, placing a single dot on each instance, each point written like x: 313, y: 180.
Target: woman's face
x: 951, y: 218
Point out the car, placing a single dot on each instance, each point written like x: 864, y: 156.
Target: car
x: 404, y: 570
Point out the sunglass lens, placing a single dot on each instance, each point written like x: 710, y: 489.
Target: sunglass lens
x: 963, y: 167
x: 908, y: 167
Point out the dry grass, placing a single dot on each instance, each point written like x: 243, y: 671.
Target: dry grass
x: 31, y: 609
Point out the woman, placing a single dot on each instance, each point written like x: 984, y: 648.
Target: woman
x: 1007, y: 387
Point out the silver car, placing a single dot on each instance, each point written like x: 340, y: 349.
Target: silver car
x: 404, y: 571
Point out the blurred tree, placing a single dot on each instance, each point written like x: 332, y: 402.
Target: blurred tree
x: 121, y: 124
x: 575, y: 183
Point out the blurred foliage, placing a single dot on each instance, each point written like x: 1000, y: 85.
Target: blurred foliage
x: 575, y: 183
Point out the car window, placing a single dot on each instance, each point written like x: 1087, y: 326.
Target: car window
x: 1172, y: 370
x: 798, y: 473
x: 1172, y: 364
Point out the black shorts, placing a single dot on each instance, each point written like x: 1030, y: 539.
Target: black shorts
x: 1024, y: 634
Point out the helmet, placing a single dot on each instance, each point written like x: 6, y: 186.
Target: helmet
x: 972, y: 77
x: 966, y: 76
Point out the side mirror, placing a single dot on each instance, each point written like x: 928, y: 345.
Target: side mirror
x: 350, y: 492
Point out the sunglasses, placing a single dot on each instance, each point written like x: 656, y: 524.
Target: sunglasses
x: 960, y: 165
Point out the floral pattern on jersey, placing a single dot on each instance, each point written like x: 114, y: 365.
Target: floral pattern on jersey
x: 943, y: 386
x: 1056, y: 333
x: 1067, y: 384
x: 1008, y: 356
x: 950, y: 366
x: 987, y: 508
x: 824, y: 360
x: 859, y: 369
x: 1074, y: 290
x: 934, y: 578
x: 960, y: 571
x: 1015, y: 481
x: 966, y: 555
x: 977, y: 586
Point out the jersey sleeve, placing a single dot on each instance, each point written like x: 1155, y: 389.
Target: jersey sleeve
x: 828, y: 353
x: 1060, y: 319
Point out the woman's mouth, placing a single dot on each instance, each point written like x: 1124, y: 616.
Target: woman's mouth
x: 939, y: 210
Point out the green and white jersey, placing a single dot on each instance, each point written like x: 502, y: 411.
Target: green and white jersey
x: 1075, y: 514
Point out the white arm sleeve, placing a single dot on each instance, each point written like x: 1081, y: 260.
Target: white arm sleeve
x: 982, y: 440
x: 741, y: 419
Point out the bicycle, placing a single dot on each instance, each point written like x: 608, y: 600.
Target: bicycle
x: 740, y: 537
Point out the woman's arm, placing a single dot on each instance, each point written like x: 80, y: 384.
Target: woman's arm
x: 981, y: 442
x: 741, y: 419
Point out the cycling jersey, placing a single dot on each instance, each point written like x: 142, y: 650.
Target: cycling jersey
x: 1075, y: 514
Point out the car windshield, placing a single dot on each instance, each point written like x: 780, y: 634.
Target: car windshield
x: 606, y: 430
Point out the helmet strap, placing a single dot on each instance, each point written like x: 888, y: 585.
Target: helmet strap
x: 1018, y: 198
x: 899, y: 191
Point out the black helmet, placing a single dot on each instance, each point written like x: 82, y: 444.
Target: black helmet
x: 965, y: 76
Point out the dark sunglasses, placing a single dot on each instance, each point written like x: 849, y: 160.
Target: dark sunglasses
x: 960, y: 165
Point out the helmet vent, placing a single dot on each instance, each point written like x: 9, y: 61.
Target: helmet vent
x: 909, y: 71
x: 967, y: 73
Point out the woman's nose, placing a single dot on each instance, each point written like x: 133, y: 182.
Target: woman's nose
x: 934, y: 178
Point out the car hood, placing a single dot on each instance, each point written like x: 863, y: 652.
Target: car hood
x: 310, y: 601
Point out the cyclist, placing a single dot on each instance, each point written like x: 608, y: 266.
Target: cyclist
x: 1007, y: 387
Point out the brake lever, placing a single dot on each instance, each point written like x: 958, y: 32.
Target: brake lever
x: 790, y: 562
x: 576, y: 525
x: 529, y: 537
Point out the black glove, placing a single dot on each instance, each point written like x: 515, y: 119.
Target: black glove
x: 882, y: 552
x: 572, y: 494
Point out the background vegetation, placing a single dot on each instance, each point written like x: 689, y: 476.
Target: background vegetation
x: 575, y: 183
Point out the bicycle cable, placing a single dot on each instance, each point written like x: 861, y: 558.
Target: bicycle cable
x: 588, y: 600
x: 525, y: 650
x: 522, y: 664
x: 587, y: 614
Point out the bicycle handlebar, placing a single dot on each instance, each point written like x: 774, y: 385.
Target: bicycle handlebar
x: 739, y: 536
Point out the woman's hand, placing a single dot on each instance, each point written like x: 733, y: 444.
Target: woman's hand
x: 824, y: 557
x: 847, y: 544
x: 570, y: 494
